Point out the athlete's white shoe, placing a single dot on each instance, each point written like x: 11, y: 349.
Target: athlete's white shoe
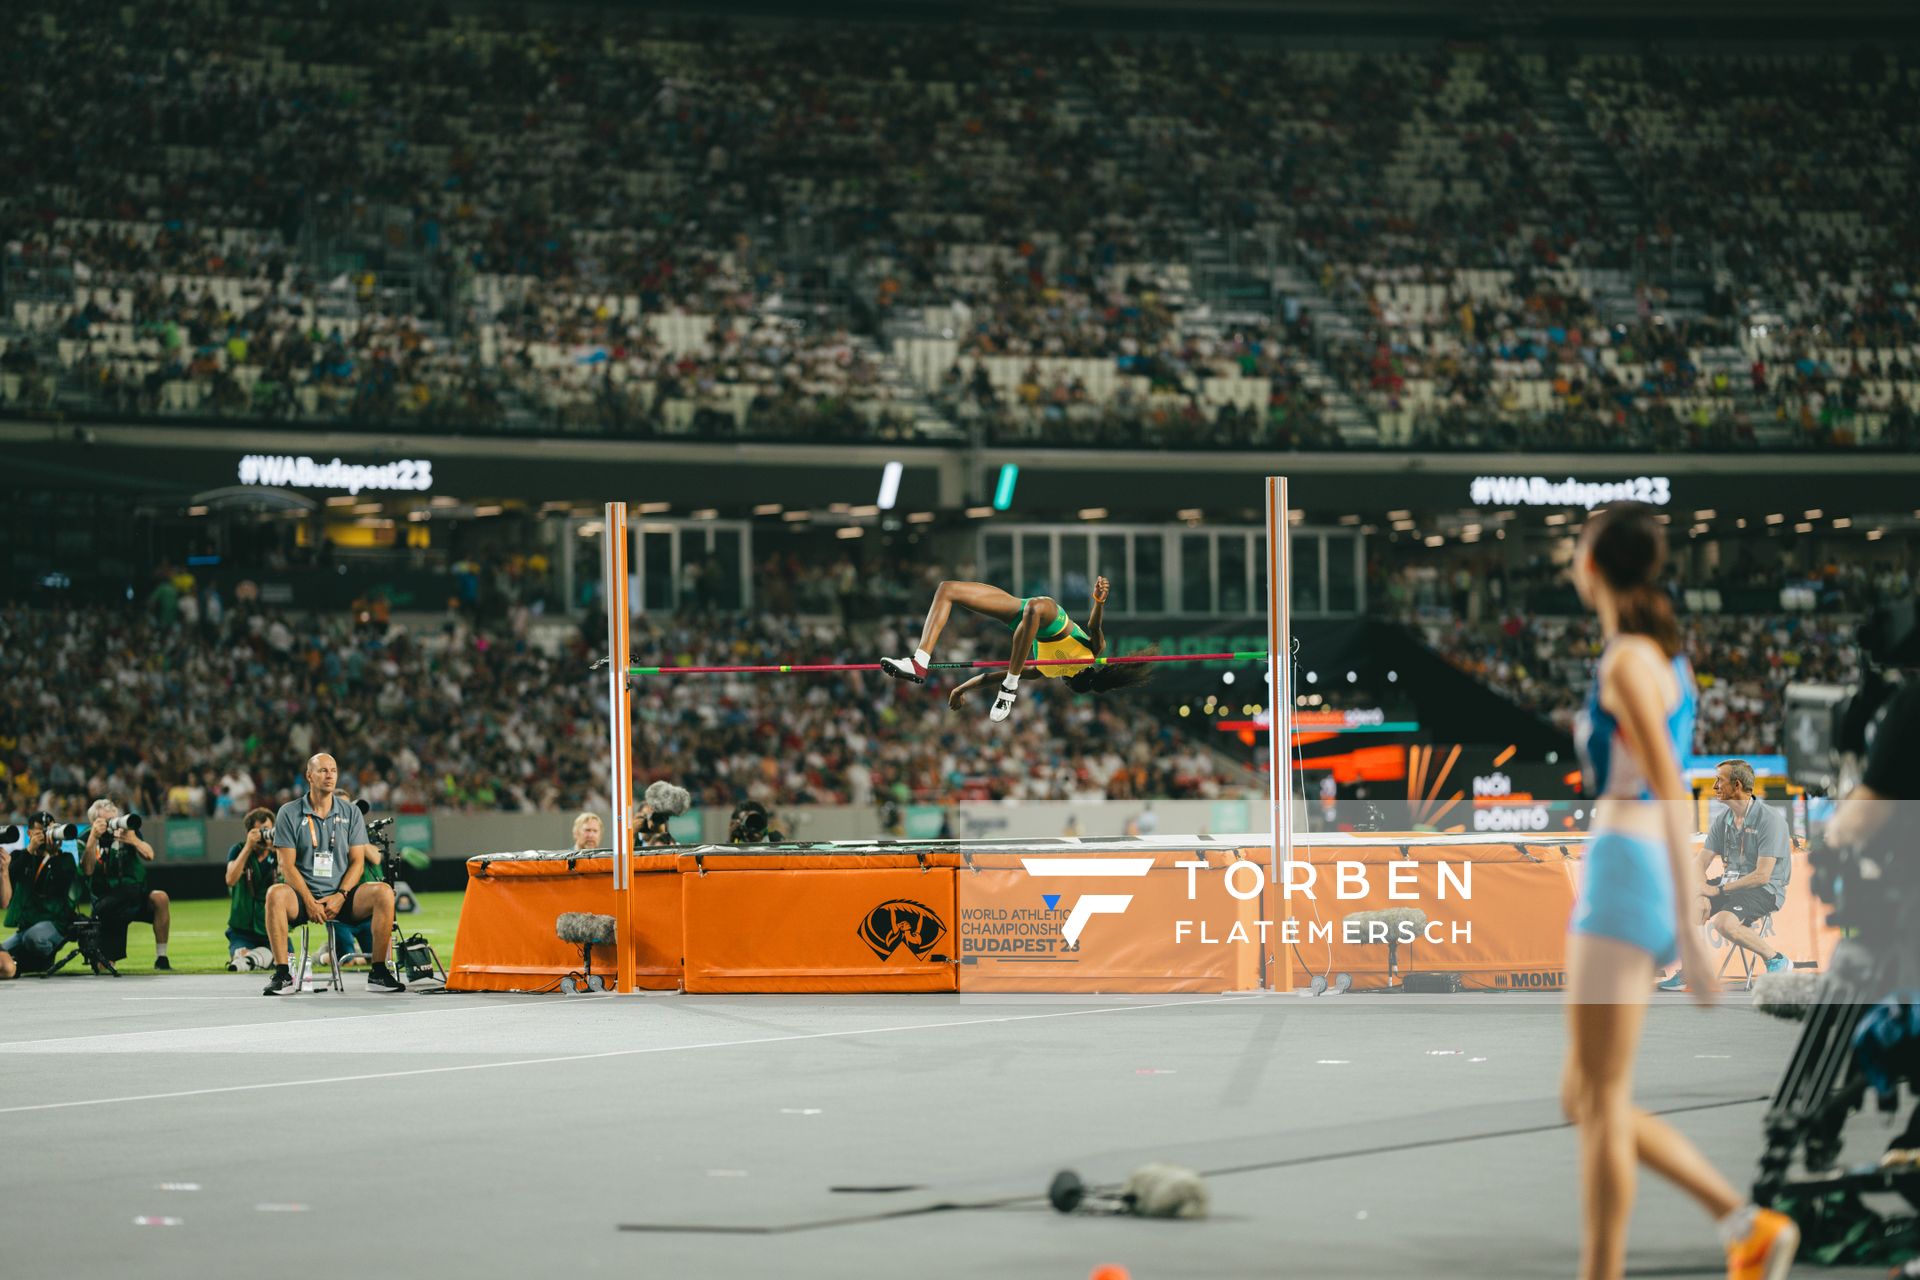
x: 1003, y: 700
x: 904, y: 669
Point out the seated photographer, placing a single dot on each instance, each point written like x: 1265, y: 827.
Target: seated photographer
x: 750, y: 824
x: 36, y: 888
x: 1750, y: 839
x: 251, y: 870
x: 322, y: 844
x: 586, y: 832
x: 114, y: 861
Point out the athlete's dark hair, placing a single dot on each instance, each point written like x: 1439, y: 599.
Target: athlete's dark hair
x: 1128, y: 675
x: 1630, y: 549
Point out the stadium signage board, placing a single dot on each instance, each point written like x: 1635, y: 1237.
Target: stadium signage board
x: 1539, y: 491
x: 282, y: 471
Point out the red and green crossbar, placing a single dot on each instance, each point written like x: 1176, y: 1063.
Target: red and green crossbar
x: 814, y: 668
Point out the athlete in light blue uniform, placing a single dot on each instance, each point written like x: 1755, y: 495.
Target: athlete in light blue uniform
x: 1636, y: 906
x: 1627, y: 891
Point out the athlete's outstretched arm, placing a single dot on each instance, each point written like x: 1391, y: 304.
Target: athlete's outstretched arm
x: 1097, y: 641
x: 959, y: 694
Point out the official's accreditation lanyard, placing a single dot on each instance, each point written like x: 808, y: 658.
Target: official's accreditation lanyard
x: 322, y: 858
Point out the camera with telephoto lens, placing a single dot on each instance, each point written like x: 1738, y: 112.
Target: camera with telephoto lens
x: 1829, y: 729
x: 751, y: 824
x: 1853, y: 1048
x: 20, y: 836
x: 124, y: 823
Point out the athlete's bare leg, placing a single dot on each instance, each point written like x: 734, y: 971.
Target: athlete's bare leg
x: 976, y: 597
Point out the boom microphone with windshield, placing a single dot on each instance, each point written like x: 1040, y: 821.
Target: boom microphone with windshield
x: 664, y: 797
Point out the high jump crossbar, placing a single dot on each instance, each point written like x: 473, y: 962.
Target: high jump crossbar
x: 800, y: 668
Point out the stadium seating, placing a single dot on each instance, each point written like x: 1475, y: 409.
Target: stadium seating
x: 645, y: 228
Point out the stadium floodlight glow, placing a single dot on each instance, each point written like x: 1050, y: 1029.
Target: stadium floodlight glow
x: 1814, y: 513
x: 1093, y: 513
x: 1003, y: 492
x: 890, y: 485
x: 1842, y: 522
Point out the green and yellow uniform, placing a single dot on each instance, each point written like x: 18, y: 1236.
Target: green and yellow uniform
x: 1060, y: 639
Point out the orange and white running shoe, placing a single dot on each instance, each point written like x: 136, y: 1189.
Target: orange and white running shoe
x: 1766, y: 1252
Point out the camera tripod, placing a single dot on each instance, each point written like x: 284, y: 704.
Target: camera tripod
x: 84, y: 934
x: 413, y: 958
x: 1822, y: 1087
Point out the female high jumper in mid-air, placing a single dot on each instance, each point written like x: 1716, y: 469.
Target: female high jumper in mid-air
x: 1637, y: 907
x: 1042, y: 633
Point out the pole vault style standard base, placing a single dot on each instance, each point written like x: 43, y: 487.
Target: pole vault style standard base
x: 1087, y: 916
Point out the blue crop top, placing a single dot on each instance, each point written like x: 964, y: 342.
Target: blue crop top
x: 1608, y: 766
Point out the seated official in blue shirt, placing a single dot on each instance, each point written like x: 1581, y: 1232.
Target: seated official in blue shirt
x: 323, y: 847
x: 1750, y: 839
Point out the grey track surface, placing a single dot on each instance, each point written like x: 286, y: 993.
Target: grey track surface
x: 1357, y: 1136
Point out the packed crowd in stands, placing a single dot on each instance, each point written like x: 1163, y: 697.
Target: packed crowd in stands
x: 1188, y: 389
x: 619, y: 223
x: 197, y: 715
x: 1742, y: 664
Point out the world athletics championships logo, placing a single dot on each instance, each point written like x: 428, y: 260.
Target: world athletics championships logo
x: 902, y: 923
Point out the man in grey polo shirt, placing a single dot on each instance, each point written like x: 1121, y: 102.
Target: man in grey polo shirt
x: 1750, y: 839
x: 322, y: 845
